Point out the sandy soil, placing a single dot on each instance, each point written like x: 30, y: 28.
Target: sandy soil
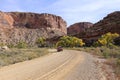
x: 66, y: 65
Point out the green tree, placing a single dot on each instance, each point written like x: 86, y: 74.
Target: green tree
x: 67, y: 41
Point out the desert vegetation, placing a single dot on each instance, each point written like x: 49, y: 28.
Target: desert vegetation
x: 21, y: 44
x: 106, y: 39
x: 15, y: 55
x: 41, y: 42
x: 68, y: 41
x: 104, y: 47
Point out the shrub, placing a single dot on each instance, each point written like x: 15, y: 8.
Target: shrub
x: 21, y: 44
x: 11, y: 45
x: 2, y: 44
x: 67, y: 41
x: 118, y: 62
x: 107, y: 39
x: 41, y: 42
x: 117, y: 41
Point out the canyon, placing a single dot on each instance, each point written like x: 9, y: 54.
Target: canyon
x: 91, y: 32
x: 28, y: 27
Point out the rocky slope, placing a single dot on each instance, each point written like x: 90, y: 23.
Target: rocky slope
x: 27, y: 27
x: 111, y: 23
x: 78, y: 28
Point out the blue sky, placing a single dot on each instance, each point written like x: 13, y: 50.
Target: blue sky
x: 71, y: 11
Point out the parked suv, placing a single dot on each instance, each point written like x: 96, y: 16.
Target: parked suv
x: 59, y: 49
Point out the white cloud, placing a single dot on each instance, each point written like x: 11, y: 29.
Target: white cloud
x: 84, y: 10
x: 71, y: 10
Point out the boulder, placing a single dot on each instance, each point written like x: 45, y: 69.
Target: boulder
x: 4, y: 48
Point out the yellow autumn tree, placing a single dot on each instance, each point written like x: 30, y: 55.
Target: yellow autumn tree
x: 68, y: 41
x: 107, y: 39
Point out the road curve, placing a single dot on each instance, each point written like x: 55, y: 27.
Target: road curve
x: 66, y: 65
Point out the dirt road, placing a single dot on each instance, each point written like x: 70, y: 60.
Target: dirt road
x: 66, y: 65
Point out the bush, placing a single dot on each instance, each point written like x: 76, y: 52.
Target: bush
x: 67, y: 41
x: 41, y: 42
x: 117, y: 41
x: 21, y: 44
x: 118, y: 62
x: 11, y: 45
x: 109, y: 52
x: 2, y: 44
x: 107, y: 39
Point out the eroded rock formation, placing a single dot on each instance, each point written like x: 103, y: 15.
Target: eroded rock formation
x: 27, y: 27
x: 78, y: 28
x: 111, y: 23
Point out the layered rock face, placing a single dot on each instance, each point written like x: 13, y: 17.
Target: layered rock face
x: 78, y: 28
x: 28, y: 27
x: 6, y: 21
x: 90, y: 33
x: 111, y: 23
x: 38, y: 21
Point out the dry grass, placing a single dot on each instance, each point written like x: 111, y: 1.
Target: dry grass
x: 14, y: 55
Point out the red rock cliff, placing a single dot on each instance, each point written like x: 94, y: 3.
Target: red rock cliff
x: 37, y: 21
x: 111, y: 23
x: 19, y: 26
x: 78, y: 28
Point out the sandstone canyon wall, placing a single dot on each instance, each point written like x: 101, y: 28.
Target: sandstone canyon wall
x: 111, y: 23
x: 78, y: 28
x: 28, y: 27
